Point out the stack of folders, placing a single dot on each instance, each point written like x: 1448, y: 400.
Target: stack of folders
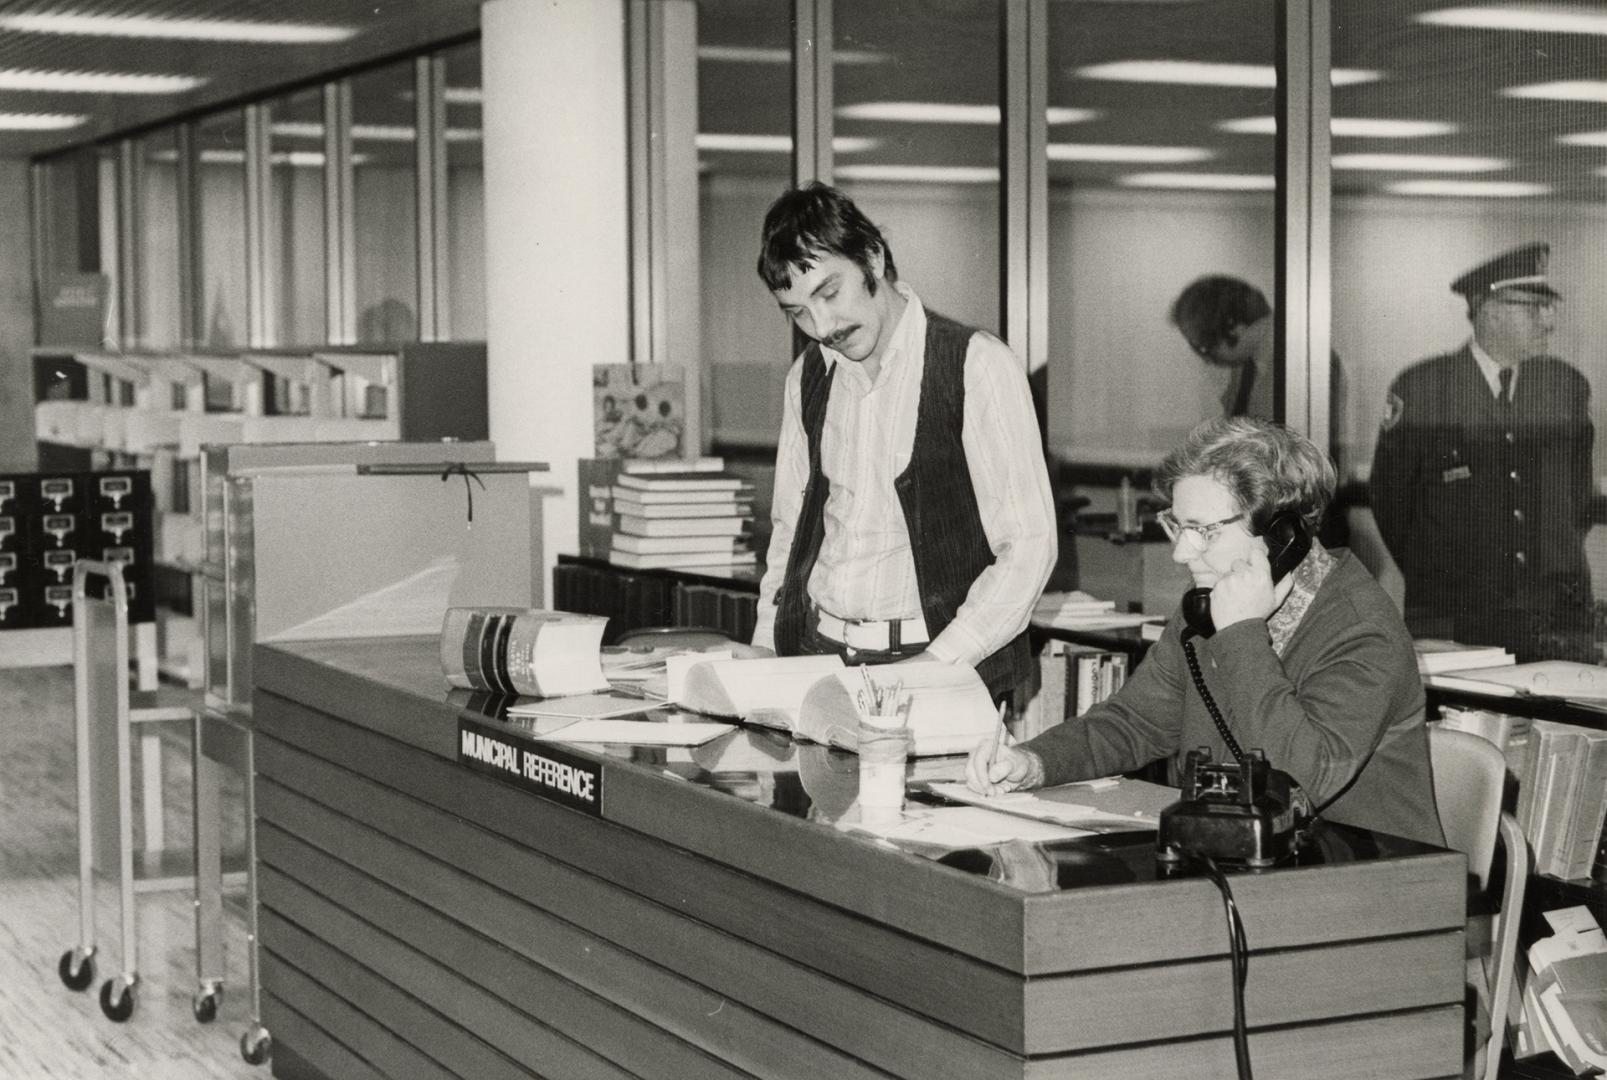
x: 1071, y: 679
x: 692, y: 515
x: 1562, y: 797
x: 1435, y: 655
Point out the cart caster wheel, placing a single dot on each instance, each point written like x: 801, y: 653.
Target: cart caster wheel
x: 117, y: 999
x: 205, y: 1006
x: 255, y: 1045
x: 77, y: 968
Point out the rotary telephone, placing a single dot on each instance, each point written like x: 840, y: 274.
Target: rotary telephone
x: 1241, y: 812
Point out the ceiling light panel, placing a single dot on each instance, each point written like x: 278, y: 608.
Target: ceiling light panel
x: 1201, y: 181
x: 96, y: 82
x: 1201, y: 73
x: 38, y: 121
x: 934, y: 112
x: 1566, y: 90
x: 754, y: 54
x: 1584, y: 138
x: 776, y: 144
x: 1480, y: 189
x: 1418, y: 163
x: 138, y: 26
x: 929, y: 174
x: 1146, y: 155
x: 1537, y: 18
x: 1348, y: 127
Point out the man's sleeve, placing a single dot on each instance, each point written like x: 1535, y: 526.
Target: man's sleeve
x: 1584, y: 450
x: 786, y: 500
x: 1004, y: 454
x: 1392, y: 485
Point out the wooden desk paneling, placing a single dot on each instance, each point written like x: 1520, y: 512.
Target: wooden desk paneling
x: 434, y: 921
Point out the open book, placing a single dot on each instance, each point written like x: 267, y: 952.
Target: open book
x: 818, y: 698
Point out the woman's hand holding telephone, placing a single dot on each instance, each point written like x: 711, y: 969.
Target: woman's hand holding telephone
x: 1254, y: 587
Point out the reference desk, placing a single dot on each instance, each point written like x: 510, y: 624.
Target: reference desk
x: 420, y: 918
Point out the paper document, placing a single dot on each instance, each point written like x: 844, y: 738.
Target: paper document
x: 637, y: 732
x: 1128, y: 805
x: 584, y: 707
x: 961, y: 827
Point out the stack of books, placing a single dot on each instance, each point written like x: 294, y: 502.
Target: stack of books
x: 1435, y: 655
x: 684, y: 514
x: 1562, y: 797
x: 1071, y: 679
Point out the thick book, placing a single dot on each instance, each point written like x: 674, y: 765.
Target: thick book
x: 523, y: 651
x: 688, y: 560
x: 678, y: 481
x: 665, y: 545
x: 719, y: 508
x: 631, y: 525
x: 651, y: 466
x: 726, y: 496
x: 819, y: 699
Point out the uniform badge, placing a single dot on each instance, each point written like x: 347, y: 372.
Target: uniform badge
x: 1452, y: 475
x: 1394, y: 409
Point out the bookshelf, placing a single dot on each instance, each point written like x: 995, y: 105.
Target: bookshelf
x: 637, y: 599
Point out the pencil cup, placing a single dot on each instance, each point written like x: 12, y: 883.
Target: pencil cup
x: 884, y: 747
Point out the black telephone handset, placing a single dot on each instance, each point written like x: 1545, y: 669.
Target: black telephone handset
x: 1288, y: 543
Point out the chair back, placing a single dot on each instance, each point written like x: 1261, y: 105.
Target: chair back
x: 1469, y: 777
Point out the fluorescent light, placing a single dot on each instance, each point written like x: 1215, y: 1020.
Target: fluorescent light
x: 776, y: 144
x: 1498, y: 189
x: 745, y: 54
x: 1201, y: 73
x: 463, y: 95
x: 1542, y: 18
x: 308, y: 129
x: 1584, y: 138
x: 931, y: 174
x: 1201, y: 181
x: 38, y: 121
x: 1350, y: 127
x: 1566, y: 90
x: 1418, y: 162
x: 96, y: 82
x: 1150, y: 155
x: 934, y: 112
x: 141, y: 26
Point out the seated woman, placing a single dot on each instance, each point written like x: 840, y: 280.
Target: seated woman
x: 1316, y: 669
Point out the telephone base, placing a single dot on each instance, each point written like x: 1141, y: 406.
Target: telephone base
x: 1239, y: 814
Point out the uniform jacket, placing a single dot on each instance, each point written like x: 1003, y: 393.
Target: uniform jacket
x: 1485, y: 506
x: 1341, y: 711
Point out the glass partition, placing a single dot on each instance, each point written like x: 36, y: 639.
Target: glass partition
x: 465, y: 193
x: 1162, y: 158
x: 385, y: 204
x: 161, y: 321
x: 221, y: 193
x: 295, y: 218
x: 1483, y: 139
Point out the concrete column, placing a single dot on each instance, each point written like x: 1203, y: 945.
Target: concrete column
x: 556, y: 221
x: 16, y: 321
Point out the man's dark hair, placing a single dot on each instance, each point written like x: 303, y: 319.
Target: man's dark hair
x: 814, y: 220
x: 1208, y: 310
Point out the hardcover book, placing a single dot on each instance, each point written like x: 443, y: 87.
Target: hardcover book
x: 523, y: 651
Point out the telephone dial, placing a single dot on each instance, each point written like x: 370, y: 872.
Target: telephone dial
x: 1241, y: 812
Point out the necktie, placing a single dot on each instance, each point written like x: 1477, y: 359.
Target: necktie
x: 1505, y: 397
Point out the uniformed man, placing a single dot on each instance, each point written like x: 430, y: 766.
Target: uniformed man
x: 1482, y: 478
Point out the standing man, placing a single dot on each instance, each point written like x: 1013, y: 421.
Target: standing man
x: 912, y: 511
x: 1482, y: 482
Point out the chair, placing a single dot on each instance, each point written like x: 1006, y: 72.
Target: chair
x: 1469, y: 777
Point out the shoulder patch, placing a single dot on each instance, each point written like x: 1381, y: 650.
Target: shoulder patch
x: 1394, y: 410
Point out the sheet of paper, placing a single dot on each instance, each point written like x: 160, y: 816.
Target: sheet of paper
x: 1061, y: 810
x: 961, y: 827
x: 637, y: 732
x: 584, y: 707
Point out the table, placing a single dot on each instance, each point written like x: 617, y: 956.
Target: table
x: 420, y: 918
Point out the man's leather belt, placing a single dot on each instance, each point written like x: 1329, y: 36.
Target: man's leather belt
x: 871, y: 635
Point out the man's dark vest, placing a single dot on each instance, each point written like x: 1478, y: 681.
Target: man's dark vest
x: 947, y: 540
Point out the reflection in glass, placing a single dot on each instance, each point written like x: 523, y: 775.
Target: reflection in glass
x: 745, y: 160
x: 69, y: 200
x: 160, y: 316
x: 220, y: 190
x: 385, y: 204
x: 917, y: 143
x: 1475, y: 144
x: 295, y: 217
x: 1161, y: 173
x: 465, y: 193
